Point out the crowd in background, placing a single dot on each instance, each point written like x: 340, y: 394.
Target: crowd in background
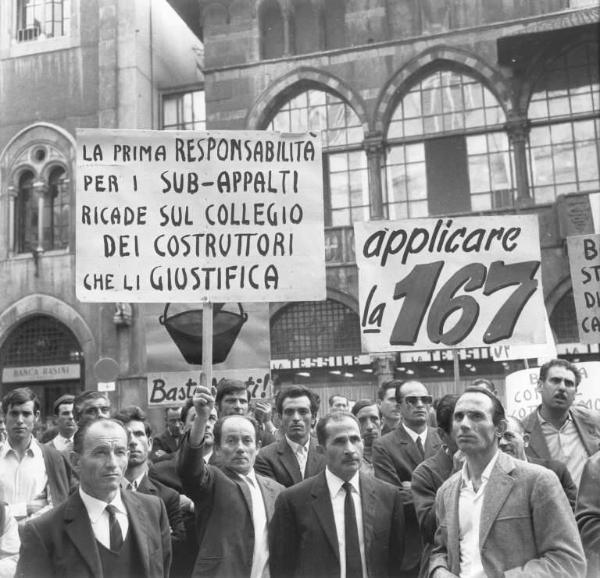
x: 401, y: 485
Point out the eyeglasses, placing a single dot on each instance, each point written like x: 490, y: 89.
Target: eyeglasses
x: 414, y: 399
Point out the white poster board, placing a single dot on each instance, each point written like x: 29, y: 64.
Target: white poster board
x: 182, y: 216
x: 522, y: 396
x: 450, y: 282
x: 584, y: 262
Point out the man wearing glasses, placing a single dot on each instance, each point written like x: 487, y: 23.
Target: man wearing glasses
x: 398, y: 453
x: 557, y: 429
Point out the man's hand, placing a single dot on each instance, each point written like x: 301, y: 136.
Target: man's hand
x: 204, y: 401
x: 263, y: 412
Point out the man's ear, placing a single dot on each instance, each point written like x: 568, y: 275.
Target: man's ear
x: 320, y: 449
x: 501, y: 427
x: 36, y: 416
x: 150, y: 441
x: 74, y: 458
x: 526, y: 438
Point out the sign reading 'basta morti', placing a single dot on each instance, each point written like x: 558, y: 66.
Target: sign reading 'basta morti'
x: 199, y: 216
x: 436, y: 283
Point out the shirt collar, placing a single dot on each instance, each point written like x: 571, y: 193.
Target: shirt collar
x: 485, y: 475
x: 414, y: 435
x: 545, y: 421
x: 95, y: 507
x: 33, y: 450
x: 334, y: 483
x: 295, y: 446
x: 136, y: 481
x: 64, y: 439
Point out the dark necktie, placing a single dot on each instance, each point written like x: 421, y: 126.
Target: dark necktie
x: 114, y: 528
x: 353, y: 561
x: 420, y: 448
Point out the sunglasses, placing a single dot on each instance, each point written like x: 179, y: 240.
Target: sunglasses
x: 414, y: 399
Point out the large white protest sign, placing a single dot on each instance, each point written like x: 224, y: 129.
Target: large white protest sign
x: 199, y: 216
x: 455, y: 282
x: 584, y: 261
x: 522, y: 396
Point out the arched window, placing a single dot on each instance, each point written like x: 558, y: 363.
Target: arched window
x: 56, y: 211
x: 27, y: 215
x: 315, y: 328
x: 448, y: 152
x: 344, y: 162
x: 563, y: 320
x: 564, y: 111
x: 271, y: 30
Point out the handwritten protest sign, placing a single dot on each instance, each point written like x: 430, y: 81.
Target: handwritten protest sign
x: 199, y: 216
x: 522, y: 396
x: 584, y: 260
x: 465, y: 282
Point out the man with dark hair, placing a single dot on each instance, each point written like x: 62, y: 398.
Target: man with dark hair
x: 369, y: 419
x: 487, y: 383
x: 100, y: 530
x: 233, y: 504
x: 293, y: 458
x: 389, y: 407
x: 33, y: 476
x: 91, y: 405
x: 397, y: 454
x: 514, y: 442
x: 340, y: 522
x: 166, y: 444
x: 136, y: 475
x: 233, y: 397
x: 429, y: 476
x: 499, y: 516
x: 65, y: 423
x: 557, y: 429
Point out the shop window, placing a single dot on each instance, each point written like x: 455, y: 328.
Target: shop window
x: 271, y: 30
x: 563, y: 320
x: 344, y: 161
x: 564, y: 110
x: 448, y: 151
x: 184, y: 111
x: 41, y: 19
x: 313, y: 329
x: 40, y: 340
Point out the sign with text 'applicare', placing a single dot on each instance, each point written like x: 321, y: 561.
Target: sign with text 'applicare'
x: 182, y: 216
x: 450, y: 282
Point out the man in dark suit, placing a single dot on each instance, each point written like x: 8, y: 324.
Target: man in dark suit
x: 587, y: 514
x: 557, y: 429
x: 293, y: 458
x: 33, y: 476
x: 398, y: 453
x: 99, y: 531
x: 233, y: 504
x: 340, y: 522
x: 166, y: 444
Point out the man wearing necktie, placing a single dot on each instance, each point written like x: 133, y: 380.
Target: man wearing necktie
x: 340, y: 523
x: 233, y: 505
x: 398, y: 453
x: 99, y: 531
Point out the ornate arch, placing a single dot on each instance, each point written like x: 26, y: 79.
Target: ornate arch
x: 433, y: 59
x: 294, y: 82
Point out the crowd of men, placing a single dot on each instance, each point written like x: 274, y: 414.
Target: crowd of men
x: 397, y: 486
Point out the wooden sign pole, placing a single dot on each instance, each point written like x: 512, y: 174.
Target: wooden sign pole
x: 207, y: 342
x: 456, y: 368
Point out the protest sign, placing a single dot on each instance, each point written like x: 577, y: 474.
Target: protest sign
x: 167, y: 216
x: 455, y: 282
x: 542, y: 353
x: 522, y: 396
x: 584, y: 261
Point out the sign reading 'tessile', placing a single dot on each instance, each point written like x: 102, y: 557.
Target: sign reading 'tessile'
x: 450, y: 282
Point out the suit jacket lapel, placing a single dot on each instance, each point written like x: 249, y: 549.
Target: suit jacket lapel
x: 453, y: 523
x: 243, y: 488
x: 497, y: 490
x: 79, y: 529
x: 269, y: 496
x: 289, y: 461
x: 139, y: 529
x: 586, y: 432
x: 537, y: 441
x: 324, y: 511
x: 369, y: 507
x: 411, y: 448
x: 147, y: 487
